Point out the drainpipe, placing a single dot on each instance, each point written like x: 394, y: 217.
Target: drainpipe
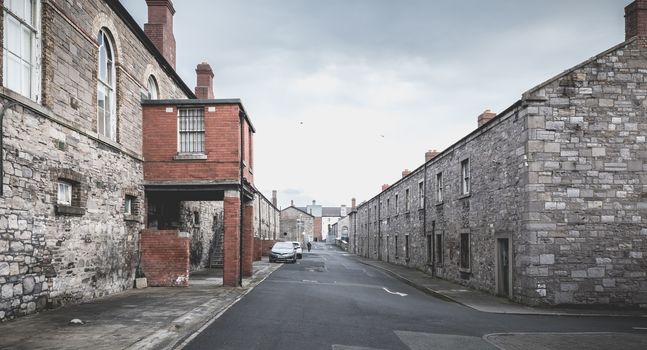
x: 2, y: 111
x: 379, y: 227
x: 241, y: 193
x: 424, y: 222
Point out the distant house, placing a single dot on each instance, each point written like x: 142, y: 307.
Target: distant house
x: 324, y: 218
x: 296, y: 225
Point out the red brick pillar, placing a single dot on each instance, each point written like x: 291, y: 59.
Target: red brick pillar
x: 248, y: 240
x: 231, y: 251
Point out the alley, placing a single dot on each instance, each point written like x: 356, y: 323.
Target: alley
x: 328, y: 300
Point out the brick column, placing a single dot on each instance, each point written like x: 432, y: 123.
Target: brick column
x: 231, y: 251
x: 248, y: 239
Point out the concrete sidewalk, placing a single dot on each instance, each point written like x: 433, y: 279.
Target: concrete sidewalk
x: 151, y: 318
x: 482, y: 301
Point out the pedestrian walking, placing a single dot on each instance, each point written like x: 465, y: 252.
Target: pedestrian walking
x: 309, y: 246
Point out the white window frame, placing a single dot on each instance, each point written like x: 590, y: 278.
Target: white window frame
x: 465, y: 177
x: 108, y: 87
x: 129, y: 205
x: 64, y: 193
x: 421, y: 194
x: 26, y: 86
x: 439, y: 187
x: 191, y: 133
x: 152, y: 88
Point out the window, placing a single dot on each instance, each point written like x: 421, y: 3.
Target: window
x: 196, y: 219
x: 21, y: 47
x: 439, y: 249
x: 396, y: 204
x: 421, y: 194
x: 191, y: 129
x: 388, y: 206
x: 396, y: 246
x: 439, y: 187
x: 406, y: 246
x: 465, y: 177
x: 406, y: 200
x: 465, y: 251
x: 107, y: 125
x: 64, y: 196
x: 153, y: 90
x: 129, y: 205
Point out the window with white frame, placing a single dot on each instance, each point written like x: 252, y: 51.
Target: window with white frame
x: 406, y: 200
x: 153, y: 89
x: 421, y: 194
x: 191, y: 128
x: 106, y: 88
x: 21, y: 47
x: 439, y: 187
x: 465, y: 176
x: 129, y: 205
x: 64, y: 195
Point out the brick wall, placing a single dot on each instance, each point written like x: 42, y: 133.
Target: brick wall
x: 248, y: 239
x: 231, y: 248
x: 165, y: 258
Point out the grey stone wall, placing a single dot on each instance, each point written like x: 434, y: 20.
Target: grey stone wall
x: 289, y: 223
x: 203, y: 221
x: 266, y: 219
x: 587, y: 155
x: 561, y: 174
x: 51, y: 254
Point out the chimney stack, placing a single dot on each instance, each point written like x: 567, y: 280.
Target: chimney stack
x: 486, y: 117
x: 291, y: 203
x: 636, y: 19
x: 160, y: 27
x: 406, y: 172
x: 431, y: 154
x: 385, y: 187
x: 314, y: 202
x: 204, y: 84
x: 274, y: 198
x: 353, y: 204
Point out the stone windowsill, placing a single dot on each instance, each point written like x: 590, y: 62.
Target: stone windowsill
x: 439, y: 203
x: 190, y: 156
x: 62, y: 209
x: 131, y: 217
x: 467, y: 271
x: 467, y: 195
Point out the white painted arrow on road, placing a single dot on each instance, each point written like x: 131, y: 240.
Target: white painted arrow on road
x: 394, y: 293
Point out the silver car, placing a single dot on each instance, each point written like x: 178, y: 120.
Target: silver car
x: 283, y: 251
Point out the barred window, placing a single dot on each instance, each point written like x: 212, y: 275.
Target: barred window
x: 191, y: 128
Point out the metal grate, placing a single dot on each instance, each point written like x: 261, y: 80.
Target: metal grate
x: 191, y: 130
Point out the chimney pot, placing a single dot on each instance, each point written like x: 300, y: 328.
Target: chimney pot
x: 314, y: 202
x: 291, y: 202
x: 159, y: 28
x: 485, y: 117
x: 406, y: 172
x: 385, y: 187
x: 353, y: 203
x: 274, y: 198
x: 204, y: 81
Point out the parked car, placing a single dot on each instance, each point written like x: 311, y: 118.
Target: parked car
x: 283, y: 251
x: 297, y: 246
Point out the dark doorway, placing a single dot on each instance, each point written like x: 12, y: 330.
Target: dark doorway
x: 503, y: 266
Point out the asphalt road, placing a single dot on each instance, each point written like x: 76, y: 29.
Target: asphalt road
x: 330, y: 301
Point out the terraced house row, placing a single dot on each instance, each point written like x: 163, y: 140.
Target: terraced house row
x: 113, y: 168
x: 544, y: 203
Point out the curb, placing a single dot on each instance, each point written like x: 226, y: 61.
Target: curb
x: 416, y: 286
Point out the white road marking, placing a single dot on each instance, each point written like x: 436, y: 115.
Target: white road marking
x: 394, y: 293
x: 640, y: 328
x: 310, y: 281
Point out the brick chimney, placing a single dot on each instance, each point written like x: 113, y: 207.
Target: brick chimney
x: 406, y: 172
x: 636, y: 19
x: 485, y: 117
x: 353, y: 204
x: 204, y: 84
x: 274, y: 198
x: 385, y: 187
x: 160, y: 27
x: 291, y: 203
x: 431, y: 154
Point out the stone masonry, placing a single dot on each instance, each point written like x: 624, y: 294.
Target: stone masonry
x: 561, y: 175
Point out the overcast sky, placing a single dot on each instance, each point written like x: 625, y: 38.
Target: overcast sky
x: 345, y: 94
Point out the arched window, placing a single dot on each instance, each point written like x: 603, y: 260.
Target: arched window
x: 153, y: 90
x: 107, y: 124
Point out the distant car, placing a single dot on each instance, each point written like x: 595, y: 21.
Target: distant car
x: 283, y: 251
x: 297, y: 246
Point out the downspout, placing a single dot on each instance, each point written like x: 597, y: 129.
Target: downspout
x: 241, y: 193
x: 424, y: 221
x: 2, y: 112
x: 379, y: 227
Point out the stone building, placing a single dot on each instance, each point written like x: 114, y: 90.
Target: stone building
x: 325, y: 217
x: 544, y: 203
x: 296, y: 225
x: 73, y: 198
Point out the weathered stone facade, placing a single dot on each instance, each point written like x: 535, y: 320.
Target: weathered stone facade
x: 204, y: 223
x: 294, y: 223
x: 52, y: 254
x: 555, y: 203
x: 266, y: 218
